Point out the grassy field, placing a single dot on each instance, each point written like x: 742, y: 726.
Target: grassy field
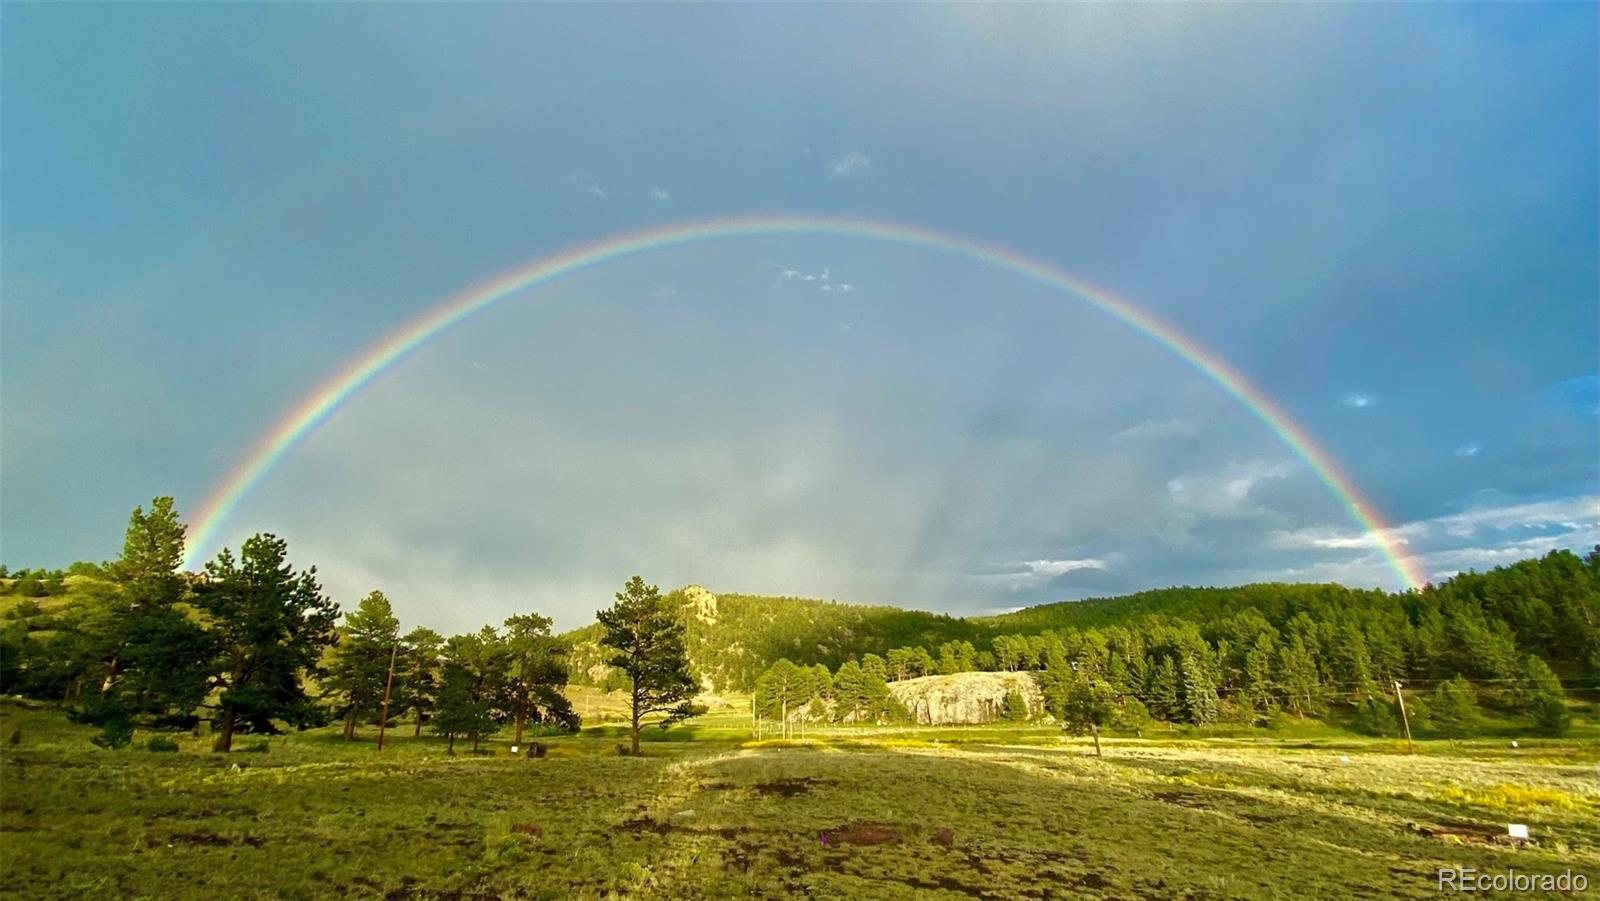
x: 1001, y: 812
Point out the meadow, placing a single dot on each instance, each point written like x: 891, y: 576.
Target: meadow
x: 1001, y: 811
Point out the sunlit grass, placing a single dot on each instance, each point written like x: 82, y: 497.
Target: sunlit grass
x: 710, y: 813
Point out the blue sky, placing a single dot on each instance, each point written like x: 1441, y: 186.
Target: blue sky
x: 1383, y: 215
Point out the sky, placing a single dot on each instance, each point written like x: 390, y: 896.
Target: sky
x: 1383, y: 215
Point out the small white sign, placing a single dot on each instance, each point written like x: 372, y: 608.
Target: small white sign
x: 1517, y: 830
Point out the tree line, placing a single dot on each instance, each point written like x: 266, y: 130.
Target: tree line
x: 1249, y: 655
x: 253, y: 645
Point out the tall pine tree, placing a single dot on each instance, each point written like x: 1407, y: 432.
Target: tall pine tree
x: 646, y: 638
x: 271, y: 625
x: 358, y: 666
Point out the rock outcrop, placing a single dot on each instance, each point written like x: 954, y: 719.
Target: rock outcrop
x: 965, y: 698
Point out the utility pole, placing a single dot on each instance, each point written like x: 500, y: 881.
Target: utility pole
x: 388, y: 685
x: 1400, y: 696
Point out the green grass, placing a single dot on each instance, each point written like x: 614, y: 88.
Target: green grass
x: 707, y: 813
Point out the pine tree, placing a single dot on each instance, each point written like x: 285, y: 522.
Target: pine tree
x: 1376, y: 716
x: 850, y: 691
x: 1016, y: 707
x: 536, y: 672
x: 459, y: 710
x: 821, y: 690
x: 1199, y: 692
x: 358, y: 666
x: 1006, y: 653
x: 873, y: 665
x: 781, y: 690
x: 479, y: 661
x: 1081, y: 702
x: 901, y: 664
x: 1544, y: 697
x: 420, y: 652
x: 1165, y: 700
x: 157, y: 660
x: 1258, y: 689
x: 1454, y: 711
x: 1298, y: 678
x: 649, y: 648
x: 270, y: 624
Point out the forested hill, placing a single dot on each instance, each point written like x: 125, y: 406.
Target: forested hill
x: 1277, y: 601
x: 732, y: 638
x: 1481, y: 624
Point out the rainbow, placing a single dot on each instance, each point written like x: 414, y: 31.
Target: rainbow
x: 315, y: 408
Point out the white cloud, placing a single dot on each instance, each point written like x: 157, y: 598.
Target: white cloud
x: 1498, y: 535
x: 1566, y: 513
x: 1456, y: 559
x: 1030, y: 573
x: 1359, y: 401
x: 1226, y: 493
x: 1469, y: 450
x: 822, y: 280
x: 1323, y: 538
x: 661, y: 194
x: 849, y: 163
x: 664, y: 291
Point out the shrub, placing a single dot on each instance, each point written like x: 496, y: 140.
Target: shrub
x: 1278, y: 720
x: 1550, y: 713
x: 1133, y: 716
x: 1374, y: 716
x: 161, y: 744
x: 260, y: 747
x: 25, y: 609
x: 115, y: 734
x: 1016, y: 707
x: 1454, y: 711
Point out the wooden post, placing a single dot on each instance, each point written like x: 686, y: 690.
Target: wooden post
x: 1399, y: 696
x: 388, y: 685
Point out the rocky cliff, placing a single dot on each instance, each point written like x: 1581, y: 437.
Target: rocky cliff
x: 965, y: 698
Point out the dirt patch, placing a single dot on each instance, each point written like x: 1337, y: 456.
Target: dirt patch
x: 213, y: 839
x: 944, y: 836
x: 863, y: 834
x: 788, y: 788
x: 530, y: 829
x: 1470, y: 833
x: 1090, y: 881
x: 1182, y: 799
x: 645, y: 824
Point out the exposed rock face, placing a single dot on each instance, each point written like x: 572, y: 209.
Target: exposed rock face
x: 965, y: 698
x: 701, y: 602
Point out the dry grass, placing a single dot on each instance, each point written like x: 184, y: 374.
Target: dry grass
x: 1023, y: 814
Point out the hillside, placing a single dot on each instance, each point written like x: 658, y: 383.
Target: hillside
x: 1277, y: 601
x: 1476, y: 623
x: 732, y: 638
